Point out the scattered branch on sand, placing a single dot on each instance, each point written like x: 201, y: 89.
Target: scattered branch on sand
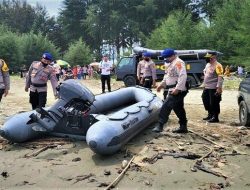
x: 206, y: 138
x: 115, y: 182
x: 205, y: 156
x: 202, y: 167
x: 83, y: 177
x: 199, y: 165
x: 155, y: 157
x: 34, y: 154
x: 187, y: 155
x: 179, y: 146
x: 40, y: 143
x: 233, y: 154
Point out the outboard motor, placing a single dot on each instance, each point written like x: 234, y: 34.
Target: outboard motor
x: 68, y: 116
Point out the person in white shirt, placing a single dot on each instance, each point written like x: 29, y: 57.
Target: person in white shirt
x: 57, y: 69
x: 105, y: 67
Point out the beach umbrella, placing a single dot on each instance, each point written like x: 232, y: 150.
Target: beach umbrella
x: 95, y: 65
x: 63, y: 63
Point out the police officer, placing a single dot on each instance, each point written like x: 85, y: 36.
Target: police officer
x: 105, y: 66
x: 38, y: 75
x: 149, y: 72
x: 140, y: 70
x: 175, y: 81
x: 213, y: 80
x: 4, y: 79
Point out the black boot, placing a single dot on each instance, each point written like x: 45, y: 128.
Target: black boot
x: 209, y: 116
x: 158, y: 128
x: 214, y: 119
x: 181, y: 129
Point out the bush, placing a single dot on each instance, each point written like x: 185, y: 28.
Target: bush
x: 10, y: 49
x: 34, y: 45
x: 78, y: 54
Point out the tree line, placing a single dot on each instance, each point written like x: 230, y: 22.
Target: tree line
x: 84, y: 27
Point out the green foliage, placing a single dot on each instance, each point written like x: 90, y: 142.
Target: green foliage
x: 179, y: 32
x: 70, y: 19
x: 10, y: 49
x: 22, y: 17
x: 207, y: 8
x: 78, y: 54
x: 33, y: 46
x: 230, y: 31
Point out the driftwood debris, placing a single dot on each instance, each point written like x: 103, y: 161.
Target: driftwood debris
x: 34, y: 154
x: 233, y: 154
x: 187, y: 155
x: 155, y: 157
x: 199, y: 165
x: 115, y: 182
x: 83, y: 177
x: 206, y: 139
x: 202, y: 167
x: 205, y: 156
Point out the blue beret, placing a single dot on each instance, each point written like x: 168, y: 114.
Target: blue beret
x: 47, y: 56
x: 146, y: 54
x: 167, y: 52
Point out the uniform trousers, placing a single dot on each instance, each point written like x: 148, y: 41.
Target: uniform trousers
x: 211, y: 101
x: 1, y: 93
x: 38, y: 99
x: 103, y: 79
x: 176, y: 103
x: 148, y: 81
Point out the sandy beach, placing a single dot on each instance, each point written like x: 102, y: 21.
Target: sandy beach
x: 211, y: 156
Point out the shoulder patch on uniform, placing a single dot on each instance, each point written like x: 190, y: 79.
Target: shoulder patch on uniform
x: 219, y: 69
x: 179, y: 65
x: 5, y: 67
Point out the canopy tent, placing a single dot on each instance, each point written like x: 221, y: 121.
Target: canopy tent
x: 95, y: 65
x: 62, y: 63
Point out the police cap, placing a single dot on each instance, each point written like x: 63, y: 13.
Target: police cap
x: 47, y: 56
x: 167, y: 52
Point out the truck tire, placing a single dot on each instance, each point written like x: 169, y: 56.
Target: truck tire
x: 244, y: 115
x: 129, y: 81
x: 192, y: 81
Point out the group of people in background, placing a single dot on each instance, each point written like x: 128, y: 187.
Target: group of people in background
x: 233, y: 70
x: 77, y: 72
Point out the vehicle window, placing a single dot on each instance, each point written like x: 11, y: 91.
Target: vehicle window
x: 125, y: 62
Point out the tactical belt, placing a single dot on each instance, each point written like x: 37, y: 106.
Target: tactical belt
x: 170, y: 86
x: 39, y: 85
x: 148, y: 78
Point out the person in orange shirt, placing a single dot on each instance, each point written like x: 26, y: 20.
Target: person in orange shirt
x: 74, y: 71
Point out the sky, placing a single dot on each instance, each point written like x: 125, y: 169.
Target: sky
x: 52, y: 6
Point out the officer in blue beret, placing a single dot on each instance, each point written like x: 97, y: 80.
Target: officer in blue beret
x: 146, y: 71
x: 175, y: 82
x: 38, y: 75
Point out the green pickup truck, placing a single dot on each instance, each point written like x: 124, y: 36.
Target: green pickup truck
x: 126, y: 69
